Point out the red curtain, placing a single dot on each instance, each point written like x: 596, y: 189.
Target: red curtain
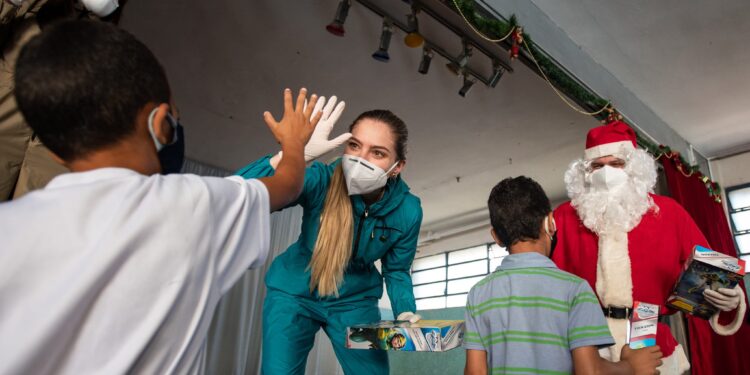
x: 710, y: 353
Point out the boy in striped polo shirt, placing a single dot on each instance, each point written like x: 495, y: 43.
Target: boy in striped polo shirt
x: 529, y: 317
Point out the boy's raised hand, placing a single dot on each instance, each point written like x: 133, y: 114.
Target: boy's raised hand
x: 293, y: 132
x: 643, y: 361
x: 296, y: 125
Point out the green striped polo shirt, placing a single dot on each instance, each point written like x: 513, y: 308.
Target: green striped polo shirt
x: 529, y: 315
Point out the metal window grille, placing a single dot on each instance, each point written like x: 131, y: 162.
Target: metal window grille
x: 444, y: 280
x: 738, y: 203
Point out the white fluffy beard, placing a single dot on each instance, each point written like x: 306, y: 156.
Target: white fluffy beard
x: 618, y: 210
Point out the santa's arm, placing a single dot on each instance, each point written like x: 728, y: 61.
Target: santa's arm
x: 732, y: 308
x: 730, y: 302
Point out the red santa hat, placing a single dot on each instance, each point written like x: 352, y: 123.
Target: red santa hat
x: 615, y: 138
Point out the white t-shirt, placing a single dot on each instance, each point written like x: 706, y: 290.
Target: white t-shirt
x: 110, y: 271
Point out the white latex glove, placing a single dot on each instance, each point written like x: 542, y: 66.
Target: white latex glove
x: 724, y: 299
x: 319, y: 144
x: 410, y: 316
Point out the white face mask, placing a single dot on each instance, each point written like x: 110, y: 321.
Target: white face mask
x: 101, y: 8
x: 608, y: 178
x: 363, y: 177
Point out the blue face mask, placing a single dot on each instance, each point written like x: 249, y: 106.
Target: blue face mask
x: 171, y: 155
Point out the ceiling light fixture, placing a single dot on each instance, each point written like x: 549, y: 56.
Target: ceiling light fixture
x: 413, y: 39
x: 468, y: 83
x: 337, y: 26
x: 385, y: 40
x: 424, y: 65
x: 458, y: 66
x: 497, y: 73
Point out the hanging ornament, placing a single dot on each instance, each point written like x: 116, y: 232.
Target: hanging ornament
x: 517, y: 40
x: 612, y: 115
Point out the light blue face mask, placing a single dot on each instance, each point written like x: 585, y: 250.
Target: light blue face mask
x: 363, y: 177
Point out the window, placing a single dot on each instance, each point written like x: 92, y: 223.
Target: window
x: 444, y: 280
x: 738, y: 201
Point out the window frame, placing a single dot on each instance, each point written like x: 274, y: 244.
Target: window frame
x: 487, y: 257
x: 732, y: 210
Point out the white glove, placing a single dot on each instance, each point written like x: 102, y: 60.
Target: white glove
x: 410, y: 316
x: 724, y: 299
x: 319, y: 144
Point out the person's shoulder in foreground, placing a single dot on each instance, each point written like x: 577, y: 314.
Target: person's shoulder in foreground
x: 130, y: 263
x: 555, y: 321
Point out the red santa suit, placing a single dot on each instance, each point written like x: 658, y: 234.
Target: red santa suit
x: 640, y: 264
x: 657, y: 249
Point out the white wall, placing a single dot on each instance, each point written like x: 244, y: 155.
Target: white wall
x: 733, y: 170
x: 475, y: 237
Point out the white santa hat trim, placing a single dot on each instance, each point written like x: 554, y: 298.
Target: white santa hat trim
x: 619, y: 149
x: 734, y: 326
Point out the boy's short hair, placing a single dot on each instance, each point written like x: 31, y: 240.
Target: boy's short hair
x: 517, y: 207
x: 80, y: 85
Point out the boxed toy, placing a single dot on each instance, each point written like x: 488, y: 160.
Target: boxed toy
x: 642, y: 325
x: 423, y: 336
x: 706, y: 269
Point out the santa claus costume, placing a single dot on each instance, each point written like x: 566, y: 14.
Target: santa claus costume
x: 628, y: 243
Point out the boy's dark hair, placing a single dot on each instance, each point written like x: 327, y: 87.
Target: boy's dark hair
x: 80, y: 85
x: 517, y: 208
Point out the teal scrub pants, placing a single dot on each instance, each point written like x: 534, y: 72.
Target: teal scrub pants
x: 290, y: 324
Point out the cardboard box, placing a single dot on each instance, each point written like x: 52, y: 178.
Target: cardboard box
x: 642, y: 325
x: 423, y: 336
x: 705, y: 269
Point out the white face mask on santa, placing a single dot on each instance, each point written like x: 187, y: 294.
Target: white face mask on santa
x: 607, y: 178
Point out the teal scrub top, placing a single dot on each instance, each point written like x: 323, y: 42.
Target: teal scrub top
x: 387, y: 230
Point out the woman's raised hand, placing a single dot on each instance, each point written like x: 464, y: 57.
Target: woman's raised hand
x: 319, y: 143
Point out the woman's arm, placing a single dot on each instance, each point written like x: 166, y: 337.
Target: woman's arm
x: 397, y: 266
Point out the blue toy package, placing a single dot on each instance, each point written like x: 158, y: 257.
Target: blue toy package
x: 423, y: 336
x: 707, y: 269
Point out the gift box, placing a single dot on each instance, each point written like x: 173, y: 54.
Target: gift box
x: 423, y: 336
x: 642, y: 325
x: 706, y: 269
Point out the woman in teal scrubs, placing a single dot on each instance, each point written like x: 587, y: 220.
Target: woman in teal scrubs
x: 356, y: 210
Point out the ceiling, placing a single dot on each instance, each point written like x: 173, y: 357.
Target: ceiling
x: 688, y: 61
x: 228, y: 61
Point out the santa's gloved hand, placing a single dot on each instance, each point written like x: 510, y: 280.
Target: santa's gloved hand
x: 724, y: 299
x: 319, y: 144
x: 410, y: 316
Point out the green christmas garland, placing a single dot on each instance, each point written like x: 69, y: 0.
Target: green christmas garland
x: 496, y: 28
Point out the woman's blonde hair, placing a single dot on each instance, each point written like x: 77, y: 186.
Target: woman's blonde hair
x: 334, y: 244
x: 333, y: 247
